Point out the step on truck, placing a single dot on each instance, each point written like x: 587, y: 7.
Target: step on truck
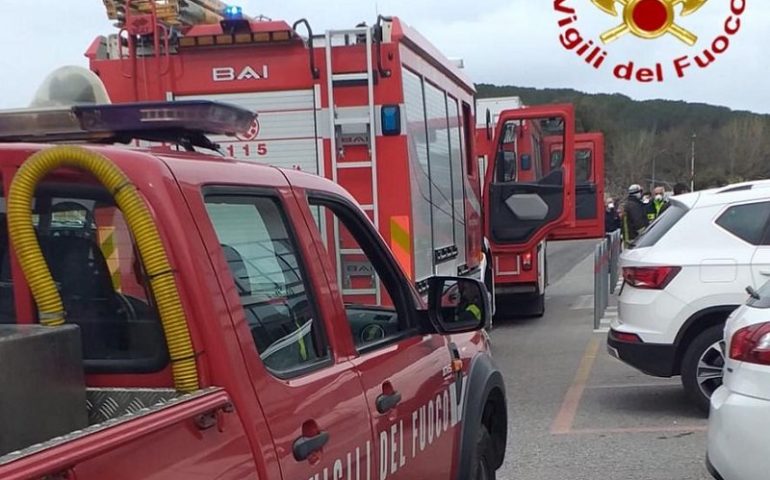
x: 535, y: 190
x: 170, y: 313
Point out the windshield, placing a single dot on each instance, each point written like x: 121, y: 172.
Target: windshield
x: 661, y: 225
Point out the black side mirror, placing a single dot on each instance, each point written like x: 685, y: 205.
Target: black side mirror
x: 458, y: 304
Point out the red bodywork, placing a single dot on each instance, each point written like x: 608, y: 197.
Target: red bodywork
x: 254, y: 416
x: 222, y: 72
x: 589, y: 188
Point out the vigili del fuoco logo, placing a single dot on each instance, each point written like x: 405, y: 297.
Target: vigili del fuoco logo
x: 647, y: 20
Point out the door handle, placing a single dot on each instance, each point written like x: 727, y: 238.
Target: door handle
x: 305, y: 446
x: 386, y: 402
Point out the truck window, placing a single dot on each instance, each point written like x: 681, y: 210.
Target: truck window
x: 94, y: 262
x: 267, y: 273
x: 506, y: 154
x: 583, y: 166
x: 366, y: 291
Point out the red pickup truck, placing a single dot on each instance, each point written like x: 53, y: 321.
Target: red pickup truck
x: 239, y: 357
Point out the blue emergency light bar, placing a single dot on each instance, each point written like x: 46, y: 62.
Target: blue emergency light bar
x: 158, y: 121
x: 233, y: 12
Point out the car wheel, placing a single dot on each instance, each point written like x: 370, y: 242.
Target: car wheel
x: 481, y: 468
x: 703, y: 366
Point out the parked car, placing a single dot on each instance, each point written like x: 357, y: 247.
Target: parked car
x: 740, y: 408
x: 684, y: 276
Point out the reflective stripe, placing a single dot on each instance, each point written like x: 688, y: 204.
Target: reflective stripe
x: 401, y: 243
x: 109, y: 249
x: 301, y: 343
x: 474, y: 310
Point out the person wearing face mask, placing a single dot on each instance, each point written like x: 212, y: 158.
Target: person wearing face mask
x: 611, y: 216
x: 635, y: 215
x: 658, y: 204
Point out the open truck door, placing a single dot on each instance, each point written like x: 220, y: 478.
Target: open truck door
x: 589, y: 187
x: 526, y: 199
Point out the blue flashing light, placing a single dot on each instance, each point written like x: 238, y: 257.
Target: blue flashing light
x: 233, y: 12
x: 391, y: 120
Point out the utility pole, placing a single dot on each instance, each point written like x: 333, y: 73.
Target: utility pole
x: 692, y: 164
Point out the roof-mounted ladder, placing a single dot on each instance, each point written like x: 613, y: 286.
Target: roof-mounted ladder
x: 336, y: 123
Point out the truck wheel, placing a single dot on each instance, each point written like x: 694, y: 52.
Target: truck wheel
x: 481, y: 468
x: 538, y: 306
x: 702, y: 366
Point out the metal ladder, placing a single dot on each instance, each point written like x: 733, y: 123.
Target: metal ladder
x: 336, y: 123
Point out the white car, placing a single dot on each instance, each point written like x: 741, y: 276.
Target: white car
x: 684, y: 276
x: 738, y: 446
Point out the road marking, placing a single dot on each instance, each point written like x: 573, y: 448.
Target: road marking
x: 562, y: 424
x: 661, y: 429
x: 634, y: 385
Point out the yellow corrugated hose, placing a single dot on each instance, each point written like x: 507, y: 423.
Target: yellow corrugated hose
x: 49, y: 304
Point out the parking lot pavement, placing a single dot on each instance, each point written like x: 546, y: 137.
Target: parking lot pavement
x: 576, y: 413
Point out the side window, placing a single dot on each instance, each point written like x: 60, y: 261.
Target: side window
x: 506, y: 154
x: 95, y: 263
x: 268, y: 275
x: 367, y: 283
x: 583, y: 166
x: 747, y: 222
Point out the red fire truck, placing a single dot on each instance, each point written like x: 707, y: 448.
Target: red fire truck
x: 534, y: 193
x: 209, y: 337
x: 377, y: 109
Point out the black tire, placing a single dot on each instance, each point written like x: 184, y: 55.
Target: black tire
x: 483, y: 457
x: 706, y: 346
x: 538, y: 306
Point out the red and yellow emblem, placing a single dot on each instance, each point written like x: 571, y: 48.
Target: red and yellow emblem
x: 649, y: 19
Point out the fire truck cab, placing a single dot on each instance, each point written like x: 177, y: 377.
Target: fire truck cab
x: 377, y: 109
x: 531, y: 193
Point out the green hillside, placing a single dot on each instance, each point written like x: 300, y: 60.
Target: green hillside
x: 730, y: 146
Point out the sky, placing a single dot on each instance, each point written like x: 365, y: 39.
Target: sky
x: 505, y: 42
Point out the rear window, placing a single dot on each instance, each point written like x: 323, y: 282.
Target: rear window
x: 94, y: 261
x: 661, y: 225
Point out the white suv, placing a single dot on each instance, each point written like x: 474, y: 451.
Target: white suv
x: 684, y: 276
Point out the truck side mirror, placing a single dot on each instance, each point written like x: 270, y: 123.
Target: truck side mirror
x: 458, y: 304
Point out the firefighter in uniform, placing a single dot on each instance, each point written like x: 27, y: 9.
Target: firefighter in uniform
x: 635, y: 215
x: 468, y: 309
x: 657, y: 205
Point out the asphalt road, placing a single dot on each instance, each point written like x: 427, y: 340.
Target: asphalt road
x: 576, y: 413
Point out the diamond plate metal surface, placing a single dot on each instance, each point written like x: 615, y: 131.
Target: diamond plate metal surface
x: 107, y: 403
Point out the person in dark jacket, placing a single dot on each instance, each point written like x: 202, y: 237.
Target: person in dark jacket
x: 635, y: 214
x: 680, y: 189
x: 611, y: 216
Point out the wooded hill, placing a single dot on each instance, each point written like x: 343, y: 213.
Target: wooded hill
x: 730, y: 146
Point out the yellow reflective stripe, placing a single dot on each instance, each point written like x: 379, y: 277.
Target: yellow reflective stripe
x: 109, y: 248
x: 301, y: 344
x: 475, y: 311
x: 401, y: 242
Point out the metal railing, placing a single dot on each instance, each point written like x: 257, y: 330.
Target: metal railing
x: 606, y: 273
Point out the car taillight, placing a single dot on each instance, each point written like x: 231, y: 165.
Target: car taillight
x: 752, y: 344
x: 626, y: 337
x: 526, y: 261
x: 653, y: 278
